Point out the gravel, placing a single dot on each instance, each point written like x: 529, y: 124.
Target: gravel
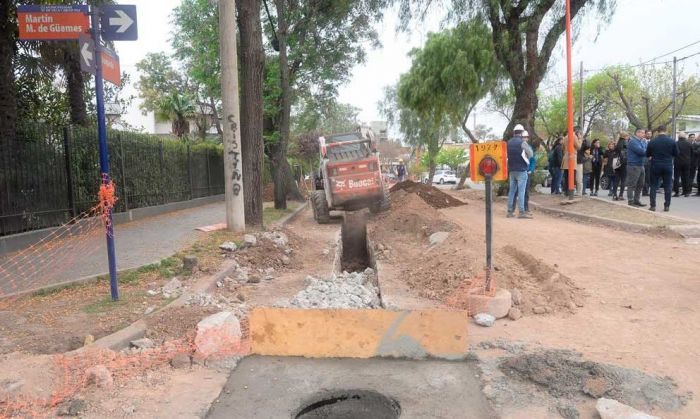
x: 347, y: 290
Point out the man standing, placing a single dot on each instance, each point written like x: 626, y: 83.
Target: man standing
x: 401, y: 171
x: 519, y: 155
x: 682, y: 166
x: 636, y: 154
x: 662, y: 150
x: 696, y: 160
x: 578, y: 135
x: 647, y: 165
x: 581, y: 152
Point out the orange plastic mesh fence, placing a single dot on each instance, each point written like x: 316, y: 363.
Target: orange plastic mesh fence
x: 72, y: 376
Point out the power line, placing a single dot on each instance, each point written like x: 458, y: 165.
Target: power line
x: 672, y: 52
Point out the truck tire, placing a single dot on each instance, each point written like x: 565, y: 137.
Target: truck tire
x: 383, y: 205
x: 320, y: 206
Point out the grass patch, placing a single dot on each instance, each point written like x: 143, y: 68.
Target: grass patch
x: 105, y: 304
x: 270, y: 214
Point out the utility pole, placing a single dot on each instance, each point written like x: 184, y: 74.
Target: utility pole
x: 673, y: 115
x: 580, y: 90
x: 571, y: 164
x: 233, y: 166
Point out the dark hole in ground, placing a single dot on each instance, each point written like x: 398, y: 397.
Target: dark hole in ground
x: 350, y: 404
x: 355, y: 257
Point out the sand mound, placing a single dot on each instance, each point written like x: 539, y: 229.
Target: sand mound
x: 430, y: 194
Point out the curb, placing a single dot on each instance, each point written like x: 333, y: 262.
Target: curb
x: 658, y: 214
x: 624, y: 225
x: 289, y: 218
x: 80, y: 281
x: 123, y: 337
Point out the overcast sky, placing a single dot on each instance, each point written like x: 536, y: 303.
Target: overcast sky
x: 639, y: 31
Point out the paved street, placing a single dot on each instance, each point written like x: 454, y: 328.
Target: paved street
x: 137, y: 243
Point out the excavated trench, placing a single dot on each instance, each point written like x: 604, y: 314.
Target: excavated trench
x: 355, y: 252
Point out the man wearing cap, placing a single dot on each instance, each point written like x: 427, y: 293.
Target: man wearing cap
x: 519, y: 155
x: 682, y: 163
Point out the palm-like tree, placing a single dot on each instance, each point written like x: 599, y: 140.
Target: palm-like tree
x: 179, y: 109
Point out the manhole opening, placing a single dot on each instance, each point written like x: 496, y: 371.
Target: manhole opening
x: 350, y: 404
x: 355, y: 257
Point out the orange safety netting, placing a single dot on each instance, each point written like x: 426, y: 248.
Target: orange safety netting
x: 71, y: 375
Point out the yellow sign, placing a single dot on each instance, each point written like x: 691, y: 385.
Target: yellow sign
x: 489, y: 157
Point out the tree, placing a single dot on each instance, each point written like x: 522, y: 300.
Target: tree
x: 451, y: 157
x: 318, y: 43
x: 158, y: 80
x: 252, y: 59
x: 453, y: 71
x: 327, y: 118
x: 645, y: 94
x: 8, y: 99
x: 421, y: 132
x: 179, y: 109
x: 524, y: 35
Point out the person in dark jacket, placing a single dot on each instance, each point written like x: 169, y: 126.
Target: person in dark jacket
x: 648, y: 135
x: 636, y: 155
x: 555, y: 158
x: 621, y: 170
x: 597, y: 163
x: 682, y: 166
x: 662, y: 151
x: 611, y: 156
x: 519, y: 155
x: 696, y: 160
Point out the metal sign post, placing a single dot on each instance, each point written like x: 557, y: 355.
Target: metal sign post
x: 489, y: 229
x: 491, y: 164
x: 104, y: 151
x: 68, y: 22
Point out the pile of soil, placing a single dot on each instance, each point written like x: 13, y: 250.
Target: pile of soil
x: 265, y: 254
x: 430, y: 194
x: 449, y: 271
x: 565, y: 374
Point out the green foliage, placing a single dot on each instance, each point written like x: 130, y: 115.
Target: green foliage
x: 196, y: 44
x: 453, y: 71
x: 179, y: 109
x: 327, y: 118
x: 40, y: 100
x: 157, y: 80
x: 452, y: 157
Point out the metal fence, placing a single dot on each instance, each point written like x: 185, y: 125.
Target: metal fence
x: 50, y: 175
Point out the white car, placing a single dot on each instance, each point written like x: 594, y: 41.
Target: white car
x: 444, y: 176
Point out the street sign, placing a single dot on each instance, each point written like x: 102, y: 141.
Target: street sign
x: 489, y: 158
x: 87, y: 53
x: 119, y: 22
x: 110, y: 67
x: 53, y: 22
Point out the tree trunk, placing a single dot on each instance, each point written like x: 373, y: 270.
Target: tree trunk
x: 279, y: 155
x: 523, y: 111
x: 76, y: 84
x: 252, y: 61
x: 8, y: 100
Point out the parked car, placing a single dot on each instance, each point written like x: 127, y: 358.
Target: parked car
x: 442, y: 177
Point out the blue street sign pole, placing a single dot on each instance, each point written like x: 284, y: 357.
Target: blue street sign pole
x: 104, y: 151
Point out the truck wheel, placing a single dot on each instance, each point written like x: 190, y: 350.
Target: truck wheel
x: 383, y: 205
x: 320, y: 207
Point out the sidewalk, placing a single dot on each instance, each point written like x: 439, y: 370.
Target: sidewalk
x: 137, y: 243
x: 681, y: 207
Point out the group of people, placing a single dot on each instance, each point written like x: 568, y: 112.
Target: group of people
x: 640, y: 162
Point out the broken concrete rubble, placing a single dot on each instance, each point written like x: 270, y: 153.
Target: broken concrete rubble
x: 219, y: 334
x: 347, y: 290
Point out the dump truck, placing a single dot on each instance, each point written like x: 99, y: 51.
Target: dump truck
x: 349, y: 177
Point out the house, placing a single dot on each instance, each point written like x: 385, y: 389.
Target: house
x: 153, y: 125
x: 688, y: 123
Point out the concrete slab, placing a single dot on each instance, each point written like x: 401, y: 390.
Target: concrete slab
x: 275, y: 388
x: 356, y: 333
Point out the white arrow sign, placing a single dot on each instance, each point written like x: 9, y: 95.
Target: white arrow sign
x: 123, y: 21
x: 87, y: 54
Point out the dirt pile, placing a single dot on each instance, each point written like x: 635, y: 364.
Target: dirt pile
x: 449, y: 271
x: 430, y: 194
x: 565, y: 374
